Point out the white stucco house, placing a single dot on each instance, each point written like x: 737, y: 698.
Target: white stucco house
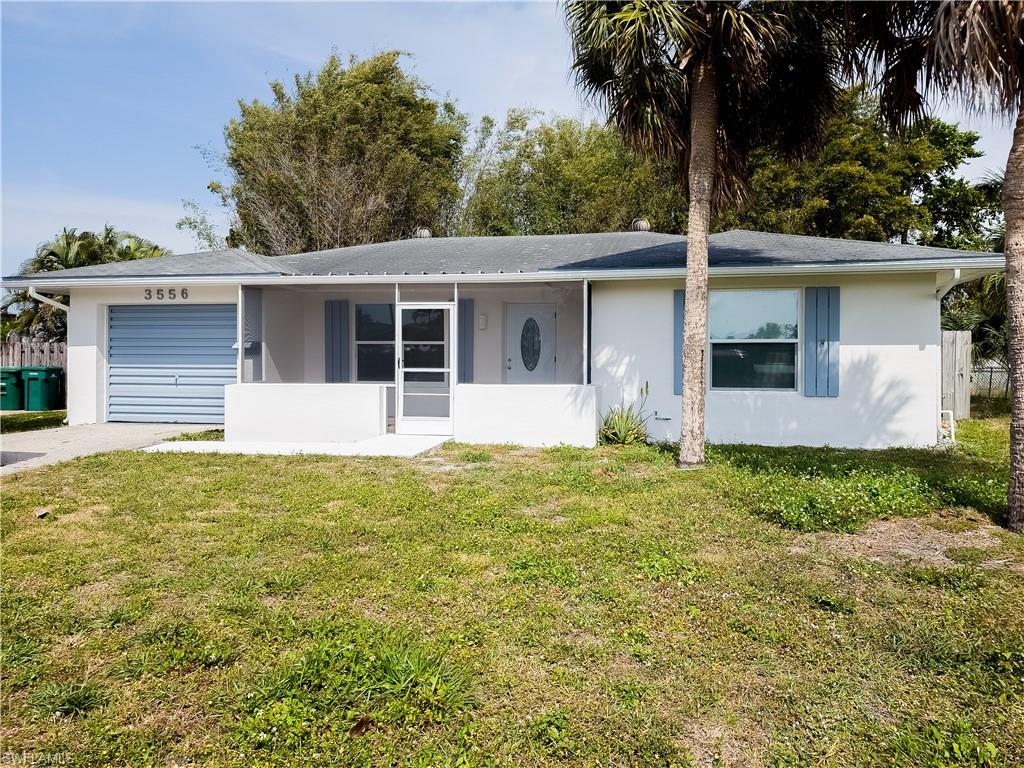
x: 525, y: 340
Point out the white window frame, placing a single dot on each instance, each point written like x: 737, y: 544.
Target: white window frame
x: 356, y: 342
x: 798, y: 341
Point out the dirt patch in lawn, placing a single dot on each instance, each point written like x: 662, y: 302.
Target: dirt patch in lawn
x: 918, y: 540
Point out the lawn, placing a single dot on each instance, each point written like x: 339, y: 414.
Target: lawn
x: 503, y: 606
x: 27, y: 421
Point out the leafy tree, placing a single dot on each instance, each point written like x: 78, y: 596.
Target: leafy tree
x: 974, y: 51
x: 564, y: 176
x: 347, y: 156
x: 870, y: 182
x: 701, y: 84
x: 69, y: 249
x: 197, y: 221
x: 980, y: 307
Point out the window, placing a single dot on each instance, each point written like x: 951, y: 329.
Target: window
x: 375, y: 342
x: 754, y: 339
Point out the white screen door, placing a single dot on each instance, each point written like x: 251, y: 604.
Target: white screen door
x: 424, y: 354
x: 529, y: 343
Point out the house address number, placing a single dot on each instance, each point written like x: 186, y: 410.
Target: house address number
x: 160, y: 294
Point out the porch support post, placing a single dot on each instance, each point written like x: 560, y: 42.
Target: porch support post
x: 586, y: 332
x: 240, y: 335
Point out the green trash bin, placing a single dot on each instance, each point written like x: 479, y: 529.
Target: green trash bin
x: 42, y: 387
x: 12, y: 392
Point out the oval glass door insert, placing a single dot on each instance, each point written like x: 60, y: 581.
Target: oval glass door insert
x: 529, y: 344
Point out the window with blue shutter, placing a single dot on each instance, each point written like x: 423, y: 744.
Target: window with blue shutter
x: 821, y: 342
x: 678, y: 302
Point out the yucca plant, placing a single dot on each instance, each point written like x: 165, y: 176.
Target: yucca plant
x: 627, y: 424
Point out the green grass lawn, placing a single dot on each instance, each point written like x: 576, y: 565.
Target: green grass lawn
x: 502, y: 606
x: 30, y: 420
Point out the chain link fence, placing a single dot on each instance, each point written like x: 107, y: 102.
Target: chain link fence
x: 990, y: 381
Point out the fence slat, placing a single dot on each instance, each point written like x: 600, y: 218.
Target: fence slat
x: 956, y: 373
x: 21, y: 351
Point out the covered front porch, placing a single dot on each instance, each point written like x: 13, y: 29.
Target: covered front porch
x: 478, y: 362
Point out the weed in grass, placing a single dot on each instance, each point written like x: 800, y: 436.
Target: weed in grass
x: 67, y: 699
x: 350, y: 680
x: 968, y: 555
x: 630, y: 693
x: 474, y: 456
x: 177, y: 645
x: 835, y: 603
x: 119, y: 616
x: 534, y: 569
x: 550, y: 730
x: 671, y: 566
x: 206, y: 434
x: 960, y: 579
x: 943, y: 746
x: 282, y: 583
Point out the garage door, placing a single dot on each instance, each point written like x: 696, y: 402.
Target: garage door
x: 170, y: 363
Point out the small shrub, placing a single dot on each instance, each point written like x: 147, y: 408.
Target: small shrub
x: 67, y: 699
x: 626, y: 424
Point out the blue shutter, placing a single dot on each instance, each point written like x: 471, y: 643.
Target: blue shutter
x: 821, y: 342
x: 467, y: 324
x: 336, y: 341
x: 678, y: 302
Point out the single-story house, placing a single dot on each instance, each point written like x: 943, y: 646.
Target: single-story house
x: 527, y: 340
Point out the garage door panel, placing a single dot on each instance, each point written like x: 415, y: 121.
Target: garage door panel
x: 170, y: 363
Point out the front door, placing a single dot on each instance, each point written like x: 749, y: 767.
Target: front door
x: 424, y: 352
x: 529, y: 343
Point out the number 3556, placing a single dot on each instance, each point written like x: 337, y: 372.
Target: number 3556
x: 160, y: 294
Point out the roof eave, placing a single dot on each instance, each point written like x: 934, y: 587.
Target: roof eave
x: 990, y: 264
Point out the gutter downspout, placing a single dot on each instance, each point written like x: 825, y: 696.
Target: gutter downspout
x: 46, y: 299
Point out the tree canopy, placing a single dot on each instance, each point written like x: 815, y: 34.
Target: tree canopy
x: 564, y: 176
x: 869, y: 182
x: 69, y: 249
x: 350, y: 155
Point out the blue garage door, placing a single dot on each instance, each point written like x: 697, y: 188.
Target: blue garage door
x: 170, y: 363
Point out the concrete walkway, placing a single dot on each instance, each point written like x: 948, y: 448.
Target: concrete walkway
x: 28, y: 450
x: 383, y: 445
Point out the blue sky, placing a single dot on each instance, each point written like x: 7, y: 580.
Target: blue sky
x: 104, y: 103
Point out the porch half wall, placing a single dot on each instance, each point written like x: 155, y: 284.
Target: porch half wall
x: 535, y: 416
x: 304, y: 413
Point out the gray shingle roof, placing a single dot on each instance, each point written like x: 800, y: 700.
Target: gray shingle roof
x: 230, y: 261
x: 493, y: 255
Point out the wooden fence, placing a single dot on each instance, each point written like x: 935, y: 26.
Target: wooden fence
x: 19, y: 351
x: 956, y: 373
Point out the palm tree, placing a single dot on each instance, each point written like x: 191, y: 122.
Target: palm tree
x: 70, y: 249
x: 972, y: 50
x: 701, y: 83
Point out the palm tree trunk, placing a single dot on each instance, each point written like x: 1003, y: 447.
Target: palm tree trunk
x: 703, y: 133
x: 1013, y: 211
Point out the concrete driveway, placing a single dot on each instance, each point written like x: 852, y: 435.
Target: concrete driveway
x: 22, y: 451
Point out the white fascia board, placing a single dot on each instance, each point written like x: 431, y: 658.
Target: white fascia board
x: 985, y: 266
